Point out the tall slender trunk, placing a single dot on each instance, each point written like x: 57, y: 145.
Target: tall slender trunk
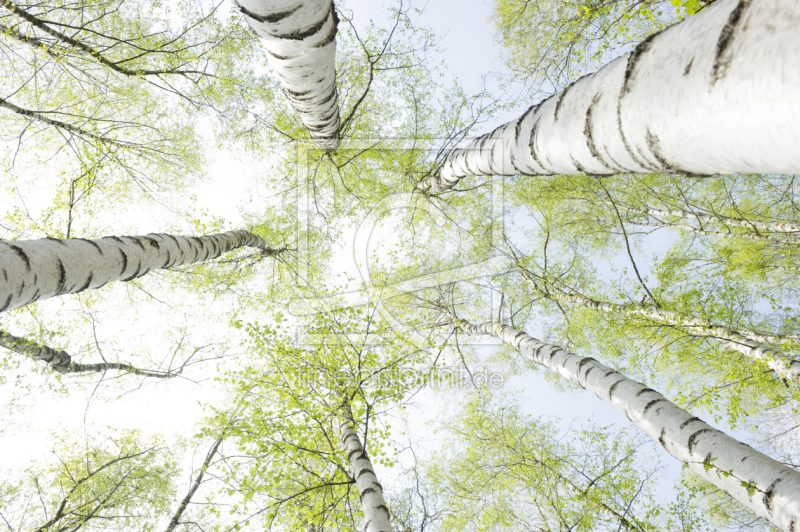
x: 756, y: 481
x: 176, y: 517
x: 773, y: 227
x: 717, y: 93
x: 300, y: 39
x: 41, y: 117
x: 32, y: 270
x: 777, y: 239
x: 370, y: 490
x: 62, y: 362
x: 749, y: 343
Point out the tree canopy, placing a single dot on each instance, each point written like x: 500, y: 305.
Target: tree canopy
x: 303, y: 329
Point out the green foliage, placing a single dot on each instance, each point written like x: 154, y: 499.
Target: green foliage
x: 550, y: 43
x: 503, y: 468
x: 123, y: 90
x: 290, y: 468
x: 718, y: 507
x: 112, y: 484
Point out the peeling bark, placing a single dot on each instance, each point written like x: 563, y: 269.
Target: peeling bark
x: 370, y: 490
x: 39, y: 269
x: 717, y: 93
x: 725, y: 462
x: 300, y: 40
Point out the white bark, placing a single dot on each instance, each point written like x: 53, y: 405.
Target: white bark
x: 717, y: 93
x: 749, y: 343
x: 370, y: 490
x: 62, y: 362
x: 175, y: 521
x: 787, y: 240
x: 32, y: 270
x: 772, y: 227
x: 300, y: 40
x: 725, y: 462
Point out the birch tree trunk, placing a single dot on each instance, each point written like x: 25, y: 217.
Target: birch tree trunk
x: 62, y: 362
x: 32, y: 270
x: 758, y: 482
x: 370, y: 490
x: 300, y: 40
x: 785, y: 240
x: 749, y: 343
x: 717, y: 93
x: 772, y: 227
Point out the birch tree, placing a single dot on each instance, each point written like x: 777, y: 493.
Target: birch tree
x: 750, y: 343
x: 548, y: 44
x: 756, y: 481
x: 311, y: 427
x: 39, y: 269
x: 704, y: 96
x: 101, y: 484
x: 62, y: 362
x: 370, y: 491
x: 502, y: 469
x: 300, y: 40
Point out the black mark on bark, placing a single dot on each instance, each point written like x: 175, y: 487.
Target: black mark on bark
x: 135, y: 241
x: 124, y: 261
x: 86, y: 284
x: 22, y: 255
x: 690, y: 420
x: 614, y: 387
x: 649, y: 405
x: 62, y: 278
x: 655, y: 148
x: 769, y: 494
x: 644, y: 390
x: 693, y: 438
x: 633, y: 60
x: 688, y: 67
x: 364, y: 472
x: 587, y: 132
x: 304, y: 34
x: 271, y: 18
x: 135, y: 274
x: 153, y: 242
x: 35, y: 296
x: 724, y: 54
x: 7, y: 303
x: 96, y: 246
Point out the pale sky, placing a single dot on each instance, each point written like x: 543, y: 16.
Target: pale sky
x: 172, y: 407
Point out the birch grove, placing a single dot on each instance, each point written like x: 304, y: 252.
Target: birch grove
x: 767, y: 487
x: 33, y: 270
x: 749, y: 343
x: 370, y: 491
x: 300, y: 40
x: 717, y: 93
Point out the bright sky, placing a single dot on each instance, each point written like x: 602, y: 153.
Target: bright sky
x: 172, y: 408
